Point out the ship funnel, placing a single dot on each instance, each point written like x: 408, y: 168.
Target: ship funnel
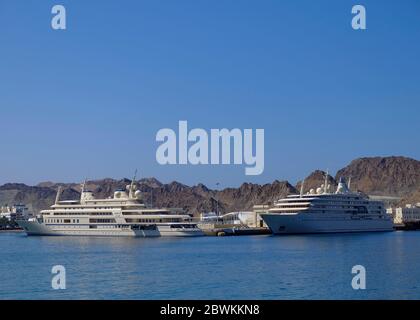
x: 342, y: 186
x: 85, y: 194
x: 132, y: 187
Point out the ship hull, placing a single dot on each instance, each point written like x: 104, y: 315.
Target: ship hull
x: 303, y: 224
x: 34, y: 228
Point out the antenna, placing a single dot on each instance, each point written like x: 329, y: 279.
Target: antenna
x: 57, y: 197
x: 301, y: 187
x: 326, y: 181
x: 349, y: 183
x: 217, y: 206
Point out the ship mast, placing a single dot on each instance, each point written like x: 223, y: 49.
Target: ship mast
x: 130, y: 194
x: 326, y: 181
x: 82, y: 191
x: 301, y: 187
x: 57, y: 197
x: 83, y: 186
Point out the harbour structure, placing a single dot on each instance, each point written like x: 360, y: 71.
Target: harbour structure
x: 403, y: 215
x: 15, y: 212
x: 250, y: 219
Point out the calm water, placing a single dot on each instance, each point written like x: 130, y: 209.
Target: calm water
x: 248, y: 267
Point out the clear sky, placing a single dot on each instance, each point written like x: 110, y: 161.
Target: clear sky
x: 88, y: 101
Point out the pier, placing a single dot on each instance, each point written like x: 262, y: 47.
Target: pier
x: 221, y: 230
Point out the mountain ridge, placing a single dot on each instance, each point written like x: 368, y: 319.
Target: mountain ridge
x: 386, y: 176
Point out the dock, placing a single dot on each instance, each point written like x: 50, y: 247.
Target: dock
x: 408, y: 226
x: 236, y: 231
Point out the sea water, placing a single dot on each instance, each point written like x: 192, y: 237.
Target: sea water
x: 240, y: 267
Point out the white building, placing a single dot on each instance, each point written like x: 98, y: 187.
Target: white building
x: 210, y: 217
x: 410, y: 213
x: 250, y: 219
x: 17, y: 211
x: 243, y: 218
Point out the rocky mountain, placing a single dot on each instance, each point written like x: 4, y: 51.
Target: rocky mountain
x: 248, y: 194
x: 393, y: 176
x: 192, y: 199
x: 390, y: 176
x: 36, y: 198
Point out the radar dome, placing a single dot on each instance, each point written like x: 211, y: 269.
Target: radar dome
x: 137, y: 194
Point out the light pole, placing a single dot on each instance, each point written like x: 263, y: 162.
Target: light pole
x: 217, y: 200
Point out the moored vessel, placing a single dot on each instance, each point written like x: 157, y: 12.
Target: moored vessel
x: 323, y: 211
x: 124, y: 214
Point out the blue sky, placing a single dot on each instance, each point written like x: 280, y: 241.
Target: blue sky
x: 88, y: 101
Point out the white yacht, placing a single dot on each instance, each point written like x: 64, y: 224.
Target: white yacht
x: 322, y: 211
x: 122, y: 215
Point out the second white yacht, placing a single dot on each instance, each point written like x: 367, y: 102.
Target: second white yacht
x: 322, y: 211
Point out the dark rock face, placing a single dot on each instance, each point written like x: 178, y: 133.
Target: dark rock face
x: 36, y: 198
x: 391, y: 176
x: 247, y: 195
x: 194, y: 199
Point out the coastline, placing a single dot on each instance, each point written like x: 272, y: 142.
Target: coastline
x: 11, y: 230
